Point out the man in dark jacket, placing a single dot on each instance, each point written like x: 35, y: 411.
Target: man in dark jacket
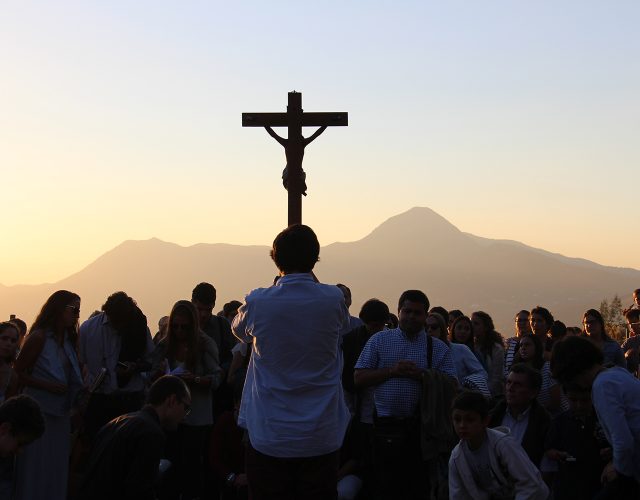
x: 125, y: 459
x: 527, y: 421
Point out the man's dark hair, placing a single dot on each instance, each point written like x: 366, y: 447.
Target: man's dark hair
x: 296, y: 249
x: 231, y: 306
x: 572, y: 356
x: 414, y: 296
x: 533, y: 375
x: 130, y: 323
x: 545, y: 313
x: 636, y: 292
x: 471, y: 401
x: 205, y: 293
x: 24, y: 415
x: 164, y: 387
x: 558, y: 330
x: 374, y: 310
x: 454, y: 314
x: 442, y: 312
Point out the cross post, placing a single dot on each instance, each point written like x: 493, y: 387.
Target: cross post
x: 294, y: 119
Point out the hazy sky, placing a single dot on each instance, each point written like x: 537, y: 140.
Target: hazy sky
x: 122, y: 120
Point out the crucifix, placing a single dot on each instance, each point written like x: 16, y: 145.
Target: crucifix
x: 294, y: 119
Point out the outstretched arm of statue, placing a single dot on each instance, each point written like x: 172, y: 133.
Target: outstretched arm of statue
x: 315, y: 135
x: 282, y: 141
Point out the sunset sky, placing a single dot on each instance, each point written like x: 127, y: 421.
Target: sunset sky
x: 122, y: 120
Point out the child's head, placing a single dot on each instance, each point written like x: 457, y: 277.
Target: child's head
x: 579, y: 401
x: 21, y: 422
x: 470, y: 413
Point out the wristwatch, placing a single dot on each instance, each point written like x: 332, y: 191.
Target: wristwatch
x: 230, y: 479
x: 197, y: 380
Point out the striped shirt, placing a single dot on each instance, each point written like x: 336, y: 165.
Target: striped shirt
x: 399, y: 397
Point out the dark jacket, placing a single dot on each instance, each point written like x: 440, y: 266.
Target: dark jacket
x: 125, y: 459
x: 537, y: 428
x: 352, y: 345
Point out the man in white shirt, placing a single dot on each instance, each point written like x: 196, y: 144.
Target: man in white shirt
x: 292, y: 404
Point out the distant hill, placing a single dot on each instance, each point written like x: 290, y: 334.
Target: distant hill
x: 416, y: 249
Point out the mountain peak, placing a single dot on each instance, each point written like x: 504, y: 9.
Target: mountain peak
x: 419, y: 221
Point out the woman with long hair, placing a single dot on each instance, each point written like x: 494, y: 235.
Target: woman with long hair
x: 461, y: 332
x: 48, y: 369
x: 191, y: 355
x: 541, y: 321
x: 489, y: 349
x: 464, y: 359
x: 531, y: 352
x: 594, y: 329
x: 9, y: 337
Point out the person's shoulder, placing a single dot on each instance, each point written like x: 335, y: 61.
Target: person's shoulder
x: 455, y: 453
x: 439, y: 344
x: 92, y: 323
x: 384, y: 336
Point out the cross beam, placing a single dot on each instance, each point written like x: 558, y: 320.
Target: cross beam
x: 294, y: 119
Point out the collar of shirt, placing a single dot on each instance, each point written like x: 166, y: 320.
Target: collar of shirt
x: 521, y: 416
x: 414, y: 338
x: 294, y: 277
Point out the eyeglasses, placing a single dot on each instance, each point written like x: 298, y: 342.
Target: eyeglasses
x: 181, y: 326
x: 187, y: 407
x: 634, y: 325
x: 75, y: 309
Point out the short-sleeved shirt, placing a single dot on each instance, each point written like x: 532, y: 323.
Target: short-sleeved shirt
x: 399, y: 397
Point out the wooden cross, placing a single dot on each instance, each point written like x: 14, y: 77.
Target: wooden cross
x: 294, y: 119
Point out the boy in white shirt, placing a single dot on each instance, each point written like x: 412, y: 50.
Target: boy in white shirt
x: 488, y: 463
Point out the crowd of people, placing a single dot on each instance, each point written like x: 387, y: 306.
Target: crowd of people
x: 288, y: 396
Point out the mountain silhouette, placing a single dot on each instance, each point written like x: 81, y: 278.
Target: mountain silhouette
x: 416, y: 249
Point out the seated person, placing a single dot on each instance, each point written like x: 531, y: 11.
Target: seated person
x: 577, y: 444
x: 125, y: 460
x: 488, y: 463
x: 520, y: 412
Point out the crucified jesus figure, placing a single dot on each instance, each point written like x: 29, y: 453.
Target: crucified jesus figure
x: 294, y: 151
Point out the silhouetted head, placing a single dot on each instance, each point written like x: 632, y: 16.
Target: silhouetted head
x: 171, y: 399
x: 9, y: 341
x: 530, y: 351
x: 442, y: 312
x: 575, y: 361
x: 462, y: 331
x: 346, y: 291
x: 412, y: 311
x: 21, y: 422
x: 593, y: 324
x: 296, y: 249
x: 522, y: 386
x: 522, y: 323
x: 541, y: 320
x: 203, y: 297
x: 436, y: 326
x: 374, y: 314
x: 60, y: 312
